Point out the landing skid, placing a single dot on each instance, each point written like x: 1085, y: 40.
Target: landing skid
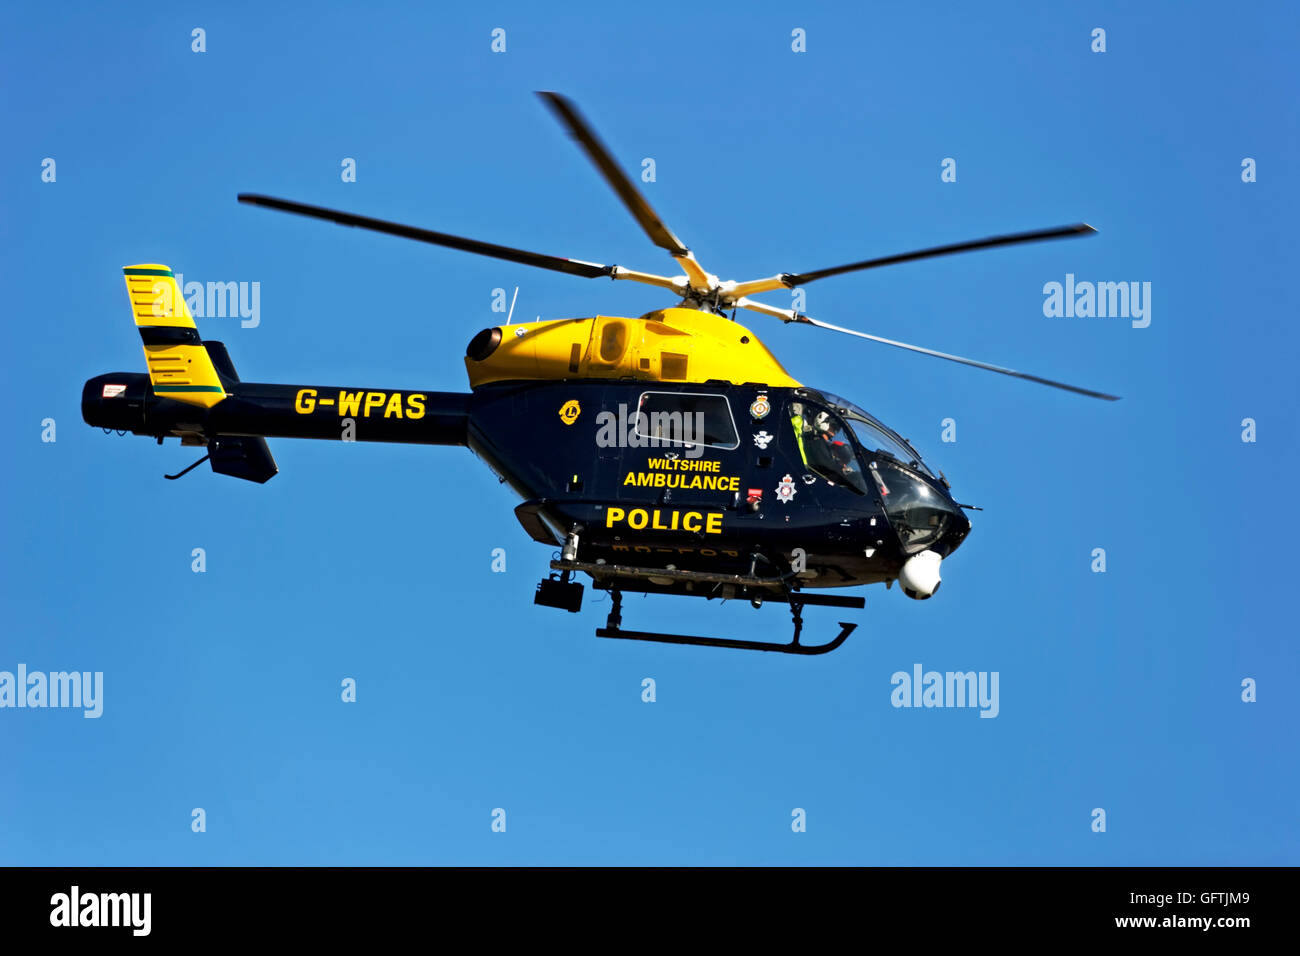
x: 612, y: 628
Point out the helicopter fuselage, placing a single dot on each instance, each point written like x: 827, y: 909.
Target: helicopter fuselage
x: 670, y: 453
x: 711, y: 489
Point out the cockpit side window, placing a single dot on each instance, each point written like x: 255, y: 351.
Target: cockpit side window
x: 825, y: 446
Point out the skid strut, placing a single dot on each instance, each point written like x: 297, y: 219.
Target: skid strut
x: 613, y: 628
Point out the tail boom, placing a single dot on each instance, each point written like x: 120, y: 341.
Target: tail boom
x: 125, y: 401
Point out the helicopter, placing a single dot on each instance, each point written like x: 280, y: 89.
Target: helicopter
x: 667, y: 454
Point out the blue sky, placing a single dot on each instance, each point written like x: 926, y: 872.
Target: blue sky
x: 1119, y: 690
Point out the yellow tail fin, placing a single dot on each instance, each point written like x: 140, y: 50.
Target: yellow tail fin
x: 179, y: 366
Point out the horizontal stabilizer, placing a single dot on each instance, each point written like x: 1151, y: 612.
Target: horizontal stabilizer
x: 247, y: 458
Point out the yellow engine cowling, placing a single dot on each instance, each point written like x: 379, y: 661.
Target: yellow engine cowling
x: 670, y: 345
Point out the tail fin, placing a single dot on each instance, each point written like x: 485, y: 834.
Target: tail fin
x: 180, y: 367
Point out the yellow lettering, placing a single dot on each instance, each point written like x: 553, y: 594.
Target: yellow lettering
x: 686, y: 521
x: 657, y: 524
x: 414, y: 406
x: 349, y: 403
x: 655, y: 479
x: 675, y: 517
x: 394, y: 406
x: 305, y: 402
x: 638, y: 514
x: 373, y: 400
x: 683, y: 464
x: 612, y: 516
x: 714, y: 525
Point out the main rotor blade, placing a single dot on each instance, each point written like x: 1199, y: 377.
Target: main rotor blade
x: 577, y: 267
x: 786, y: 315
x: 1059, y: 232
x: 581, y: 130
x: 964, y: 361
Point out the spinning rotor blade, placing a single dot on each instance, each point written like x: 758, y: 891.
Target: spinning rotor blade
x: 581, y: 130
x: 964, y: 361
x: 790, y: 280
x: 588, y: 270
x: 787, y: 315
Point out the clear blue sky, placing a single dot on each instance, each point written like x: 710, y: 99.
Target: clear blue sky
x: 1119, y: 690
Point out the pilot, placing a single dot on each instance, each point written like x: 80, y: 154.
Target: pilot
x: 841, y: 452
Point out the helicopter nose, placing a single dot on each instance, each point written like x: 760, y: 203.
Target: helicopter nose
x: 922, y: 514
x: 957, y: 530
x: 919, y: 576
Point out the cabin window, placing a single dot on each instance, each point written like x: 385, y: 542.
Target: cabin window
x: 687, y: 418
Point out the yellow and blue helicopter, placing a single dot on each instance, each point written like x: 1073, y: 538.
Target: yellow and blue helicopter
x: 665, y: 454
